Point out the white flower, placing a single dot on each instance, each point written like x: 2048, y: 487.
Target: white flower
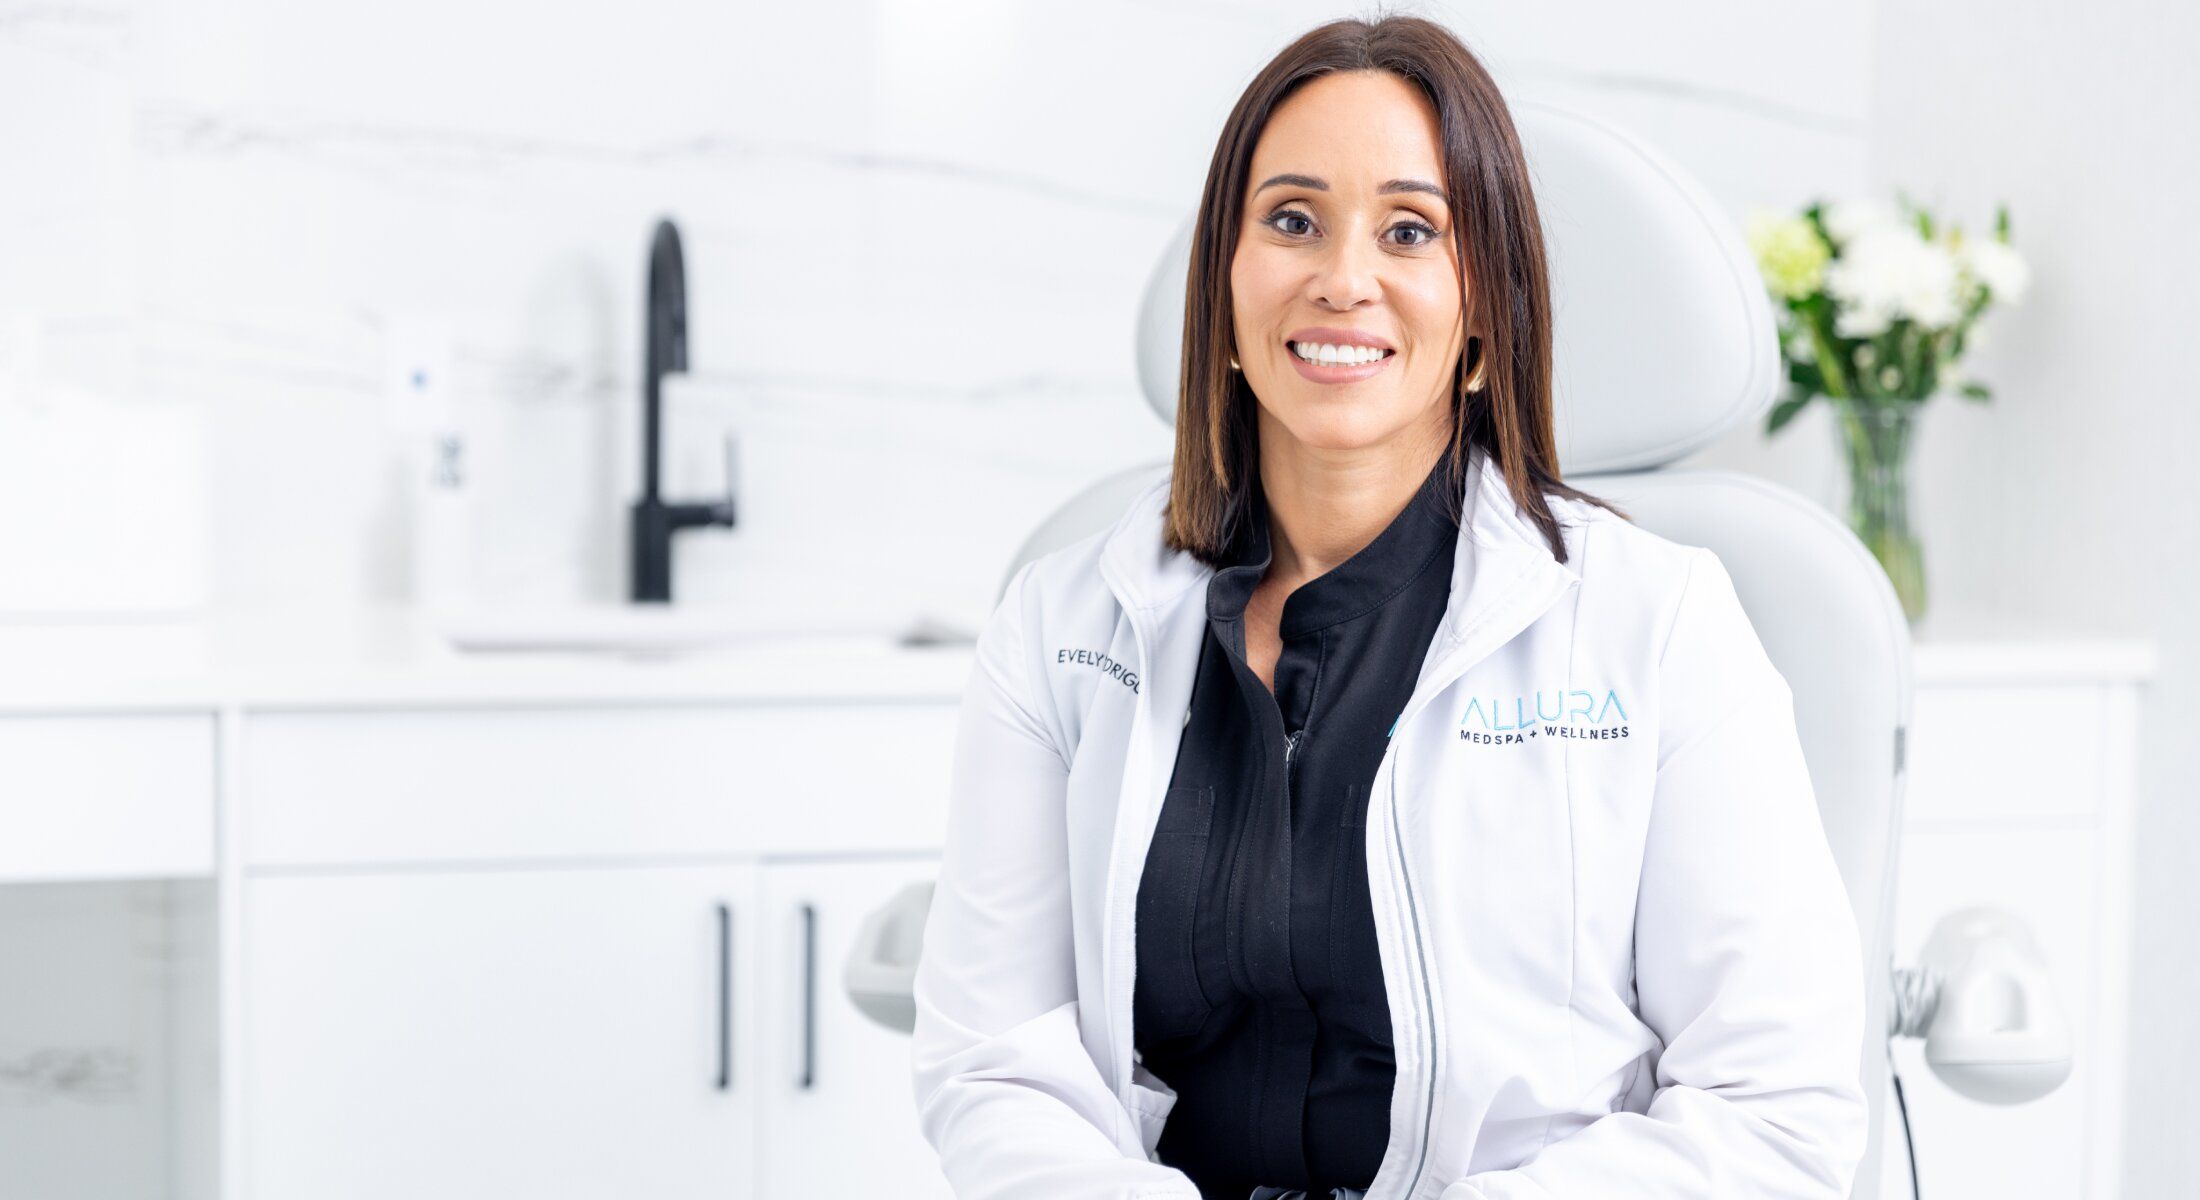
x: 1860, y: 323
x: 1847, y: 220
x: 1887, y: 273
x: 1997, y: 265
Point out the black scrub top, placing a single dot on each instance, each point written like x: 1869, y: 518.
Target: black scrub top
x: 1259, y: 991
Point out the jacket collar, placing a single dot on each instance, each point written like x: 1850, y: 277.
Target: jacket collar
x: 1502, y: 551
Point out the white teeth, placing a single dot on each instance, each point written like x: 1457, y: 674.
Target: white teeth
x: 1329, y: 355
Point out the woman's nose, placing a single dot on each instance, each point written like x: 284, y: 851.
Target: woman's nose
x: 1348, y: 274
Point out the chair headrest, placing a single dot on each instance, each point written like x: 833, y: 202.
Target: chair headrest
x: 1663, y: 337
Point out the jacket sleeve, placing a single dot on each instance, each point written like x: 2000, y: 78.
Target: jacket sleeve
x: 1006, y: 1091
x: 1747, y: 960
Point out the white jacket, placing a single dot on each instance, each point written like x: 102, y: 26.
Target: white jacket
x: 1620, y: 959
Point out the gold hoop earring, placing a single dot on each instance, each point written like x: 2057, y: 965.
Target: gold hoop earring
x: 1234, y: 363
x: 1481, y: 366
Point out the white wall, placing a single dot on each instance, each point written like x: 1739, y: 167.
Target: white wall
x: 916, y: 230
x: 2067, y: 497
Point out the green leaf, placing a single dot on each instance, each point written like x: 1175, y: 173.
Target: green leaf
x: 1785, y: 411
x: 1976, y: 391
x: 1822, y: 338
x: 1817, y: 214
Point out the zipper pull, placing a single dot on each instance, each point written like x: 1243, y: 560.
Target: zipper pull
x: 1290, y: 746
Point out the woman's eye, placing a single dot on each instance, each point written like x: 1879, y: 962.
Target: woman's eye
x: 1427, y: 232
x: 1278, y: 220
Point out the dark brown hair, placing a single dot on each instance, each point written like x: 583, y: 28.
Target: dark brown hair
x: 1498, y: 235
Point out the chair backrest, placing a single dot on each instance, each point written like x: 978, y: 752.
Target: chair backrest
x: 1664, y: 341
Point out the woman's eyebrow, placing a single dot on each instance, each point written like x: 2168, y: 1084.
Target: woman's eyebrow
x: 1308, y: 181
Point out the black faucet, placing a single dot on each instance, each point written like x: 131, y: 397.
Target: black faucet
x: 655, y: 521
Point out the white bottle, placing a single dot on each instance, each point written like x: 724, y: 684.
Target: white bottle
x: 437, y: 462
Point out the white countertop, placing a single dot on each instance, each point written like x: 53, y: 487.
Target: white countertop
x: 397, y: 657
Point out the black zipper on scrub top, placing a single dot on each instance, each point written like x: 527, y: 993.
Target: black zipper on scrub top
x: 1290, y: 746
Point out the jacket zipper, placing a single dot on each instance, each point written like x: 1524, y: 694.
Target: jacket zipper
x: 1428, y: 1001
x: 1404, y: 876
x: 1141, y: 717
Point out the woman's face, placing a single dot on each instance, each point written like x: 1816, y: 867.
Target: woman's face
x: 1347, y: 239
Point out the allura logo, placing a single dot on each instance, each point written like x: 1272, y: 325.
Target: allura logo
x: 1498, y: 720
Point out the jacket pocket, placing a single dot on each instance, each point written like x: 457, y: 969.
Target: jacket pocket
x: 1151, y: 1100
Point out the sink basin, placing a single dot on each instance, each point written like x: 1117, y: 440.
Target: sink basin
x: 656, y: 628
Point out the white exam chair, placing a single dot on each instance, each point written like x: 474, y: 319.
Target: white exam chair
x: 1665, y: 341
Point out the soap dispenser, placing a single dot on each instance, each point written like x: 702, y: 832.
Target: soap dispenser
x: 437, y: 463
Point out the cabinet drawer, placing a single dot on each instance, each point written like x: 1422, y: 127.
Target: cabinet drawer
x: 588, y: 782
x: 1993, y: 753
x: 106, y: 797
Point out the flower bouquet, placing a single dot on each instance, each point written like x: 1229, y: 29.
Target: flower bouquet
x: 1878, y: 303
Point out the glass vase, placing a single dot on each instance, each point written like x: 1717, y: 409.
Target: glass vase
x: 1875, y: 437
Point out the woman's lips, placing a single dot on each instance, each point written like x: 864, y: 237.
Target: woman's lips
x: 1337, y: 372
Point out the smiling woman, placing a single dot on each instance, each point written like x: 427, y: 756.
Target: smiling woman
x: 1367, y: 285
x: 1439, y: 848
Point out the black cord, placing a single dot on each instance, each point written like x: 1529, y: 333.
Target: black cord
x: 1909, y: 1146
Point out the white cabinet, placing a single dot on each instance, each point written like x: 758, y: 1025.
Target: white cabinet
x: 378, y: 925
x: 529, y: 1032
x: 482, y: 953
x: 661, y: 1031
x: 838, y: 1112
x: 2020, y: 796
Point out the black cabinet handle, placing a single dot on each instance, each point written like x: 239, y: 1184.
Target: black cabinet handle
x: 725, y: 997
x: 809, y: 996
